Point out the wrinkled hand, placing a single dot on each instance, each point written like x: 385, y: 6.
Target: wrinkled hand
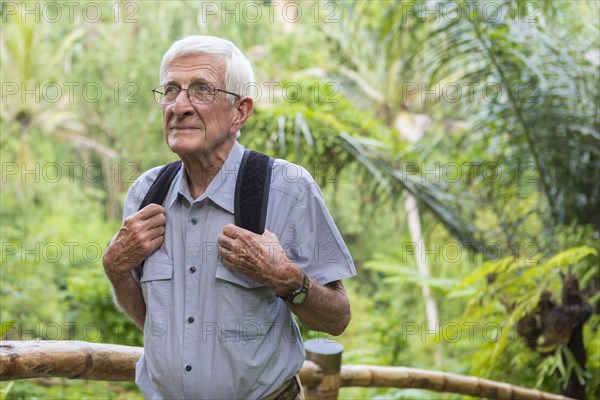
x: 260, y: 257
x: 141, y: 234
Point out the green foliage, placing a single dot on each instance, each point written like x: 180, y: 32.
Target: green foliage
x: 59, y: 388
x: 524, y: 204
x: 5, y: 327
x: 5, y: 390
x: 500, y: 293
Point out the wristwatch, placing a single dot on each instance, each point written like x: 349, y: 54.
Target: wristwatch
x: 299, y: 295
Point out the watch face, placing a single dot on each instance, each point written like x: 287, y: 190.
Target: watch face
x: 299, y: 298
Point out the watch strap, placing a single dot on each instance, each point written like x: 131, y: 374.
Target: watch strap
x: 303, y: 289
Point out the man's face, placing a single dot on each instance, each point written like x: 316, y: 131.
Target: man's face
x: 198, y: 129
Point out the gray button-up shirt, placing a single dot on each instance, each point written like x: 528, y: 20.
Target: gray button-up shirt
x: 211, y: 333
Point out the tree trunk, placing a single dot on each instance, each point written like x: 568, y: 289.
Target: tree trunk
x: 416, y: 236
x: 412, y: 127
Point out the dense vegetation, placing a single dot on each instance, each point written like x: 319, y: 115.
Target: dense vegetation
x: 457, y: 144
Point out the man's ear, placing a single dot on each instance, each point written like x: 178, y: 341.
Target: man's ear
x: 244, y: 109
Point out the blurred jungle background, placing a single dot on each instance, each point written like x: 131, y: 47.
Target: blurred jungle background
x: 456, y: 142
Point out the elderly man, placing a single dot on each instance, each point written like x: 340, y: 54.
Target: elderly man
x: 214, y: 299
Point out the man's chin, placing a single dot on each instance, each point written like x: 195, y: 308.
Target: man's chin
x: 182, y: 145
x: 178, y: 149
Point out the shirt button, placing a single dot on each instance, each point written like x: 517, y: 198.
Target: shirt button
x: 194, y: 221
x: 191, y: 320
x: 188, y: 368
x: 192, y: 269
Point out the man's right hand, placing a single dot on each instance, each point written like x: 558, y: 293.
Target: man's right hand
x: 141, y: 234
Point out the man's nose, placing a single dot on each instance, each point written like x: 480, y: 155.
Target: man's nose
x: 182, y: 103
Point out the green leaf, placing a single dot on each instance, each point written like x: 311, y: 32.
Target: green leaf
x: 389, y: 267
x: 482, y: 272
x: 569, y: 257
x: 415, y: 277
x: 5, y: 327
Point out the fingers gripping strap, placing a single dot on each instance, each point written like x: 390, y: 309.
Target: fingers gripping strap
x: 252, y: 191
x: 158, y: 192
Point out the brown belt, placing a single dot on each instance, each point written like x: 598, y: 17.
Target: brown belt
x: 290, y: 391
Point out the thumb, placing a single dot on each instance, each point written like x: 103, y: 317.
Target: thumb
x: 270, y: 235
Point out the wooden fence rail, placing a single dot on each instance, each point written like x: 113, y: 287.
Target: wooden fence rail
x: 322, y: 372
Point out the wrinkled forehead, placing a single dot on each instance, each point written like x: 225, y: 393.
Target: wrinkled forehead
x: 191, y: 62
x: 195, y: 67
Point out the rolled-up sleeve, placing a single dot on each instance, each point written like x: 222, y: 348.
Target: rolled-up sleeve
x: 311, y: 238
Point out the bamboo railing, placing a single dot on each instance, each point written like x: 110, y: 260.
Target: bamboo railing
x: 322, y: 373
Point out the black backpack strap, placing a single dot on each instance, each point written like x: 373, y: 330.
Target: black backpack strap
x: 252, y: 191
x: 160, y: 187
x: 158, y: 192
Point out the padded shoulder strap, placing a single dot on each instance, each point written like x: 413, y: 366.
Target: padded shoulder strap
x: 158, y: 192
x: 252, y: 191
x: 160, y: 187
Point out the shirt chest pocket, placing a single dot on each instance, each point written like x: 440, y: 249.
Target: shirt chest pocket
x: 156, y: 286
x: 246, y: 309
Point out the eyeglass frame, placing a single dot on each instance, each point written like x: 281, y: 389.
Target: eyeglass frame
x: 214, y: 93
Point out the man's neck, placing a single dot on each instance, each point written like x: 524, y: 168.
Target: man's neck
x: 202, y: 168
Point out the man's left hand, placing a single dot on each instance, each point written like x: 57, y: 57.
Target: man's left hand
x: 260, y: 257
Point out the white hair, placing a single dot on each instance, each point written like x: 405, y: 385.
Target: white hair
x: 239, y: 76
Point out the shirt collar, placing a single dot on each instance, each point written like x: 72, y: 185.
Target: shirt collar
x: 221, y: 189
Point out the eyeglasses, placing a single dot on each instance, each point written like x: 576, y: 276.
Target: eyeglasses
x: 198, y: 93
